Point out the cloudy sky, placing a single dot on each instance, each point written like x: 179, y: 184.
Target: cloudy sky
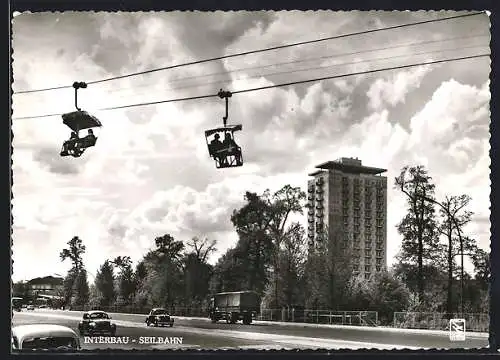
x: 150, y: 173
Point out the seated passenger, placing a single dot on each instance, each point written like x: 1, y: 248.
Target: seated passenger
x: 215, y: 144
x: 89, y: 139
x: 217, y: 150
x: 230, y: 145
x: 70, y: 145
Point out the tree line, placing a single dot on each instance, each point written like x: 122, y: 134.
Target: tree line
x: 272, y: 257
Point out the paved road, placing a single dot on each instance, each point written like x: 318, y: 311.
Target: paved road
x: 202, y: 334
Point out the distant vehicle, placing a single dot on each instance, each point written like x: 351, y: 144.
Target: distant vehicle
x: 17, y: 303
x: 30, y: 307
x: 234, y: 306
x: 44, y: 337
x: 96, y: 322
x: 159, y: 317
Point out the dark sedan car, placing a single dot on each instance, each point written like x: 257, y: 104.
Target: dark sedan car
x: 96, y: 322
x: 159, y: 317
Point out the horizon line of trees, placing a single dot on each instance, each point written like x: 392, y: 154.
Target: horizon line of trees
x: 272, y: 257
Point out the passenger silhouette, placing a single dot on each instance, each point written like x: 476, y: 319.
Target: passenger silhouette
x: 229, y: 144
x: 89, y: 139
x: 232, y: 149
x: 216, y: 144
x: 69, y: 145
x: 217, y: 151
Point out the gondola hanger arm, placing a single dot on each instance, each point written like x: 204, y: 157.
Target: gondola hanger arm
x: 225, y: 95
x: 78, y: 85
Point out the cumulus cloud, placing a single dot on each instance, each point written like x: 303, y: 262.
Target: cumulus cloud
x: 150, y: 172
x: 391, y: 92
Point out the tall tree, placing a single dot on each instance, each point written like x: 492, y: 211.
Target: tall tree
x: 252, y: 223
x: 126, y: 280
x: 168, y: 261
x: 481, y: 262
x: 68, y: 286
x: 418, y: 227
x: 104, y: 284
x: 292, y: 256
x: 454, y: 218
x: 82, y: 291
x: 329, y: 271
x: 293, y: 263
x: 197, y: 271
x: 231, y: 272
x: 74, y: 252
x: 202, y: 248
x: 142, y: 295
x: 283, y: 203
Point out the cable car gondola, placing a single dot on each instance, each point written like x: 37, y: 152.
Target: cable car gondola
x: 220, y: 141
x: 77, y: 121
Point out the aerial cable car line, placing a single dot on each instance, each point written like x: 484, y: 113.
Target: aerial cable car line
x: 301, y: 61
x: 319, y: 67
x: 258, y: 51
x: 269, y: 86
x: 221, y: 82
x: 226, y: 154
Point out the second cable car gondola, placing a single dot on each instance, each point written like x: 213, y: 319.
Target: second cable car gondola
x: 221, y: 144
x: 77, y: 121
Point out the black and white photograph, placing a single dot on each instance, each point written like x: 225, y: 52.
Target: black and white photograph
x: 250, y: 180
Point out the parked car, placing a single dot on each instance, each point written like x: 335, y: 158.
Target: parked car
x: 30, y: 307
x: 159, y: 317
x: 44, y: 337
x: 96, y: 322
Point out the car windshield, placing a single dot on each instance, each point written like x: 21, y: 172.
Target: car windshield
x: 50, y: 343
x: 159, y: 312
x: 95, y: 316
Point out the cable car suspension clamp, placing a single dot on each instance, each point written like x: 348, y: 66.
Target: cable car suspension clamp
x: 225, y: 95
x: 78, y: 85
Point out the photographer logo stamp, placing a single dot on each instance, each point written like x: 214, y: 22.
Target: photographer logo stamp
x: 457, y: 329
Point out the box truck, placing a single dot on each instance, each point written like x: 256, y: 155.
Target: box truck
x: 234, y: 306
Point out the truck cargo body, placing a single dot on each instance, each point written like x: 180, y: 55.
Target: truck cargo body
x: 234, y: 306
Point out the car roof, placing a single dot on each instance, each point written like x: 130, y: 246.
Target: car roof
x: 35, y: 330
x: 96, y: 312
